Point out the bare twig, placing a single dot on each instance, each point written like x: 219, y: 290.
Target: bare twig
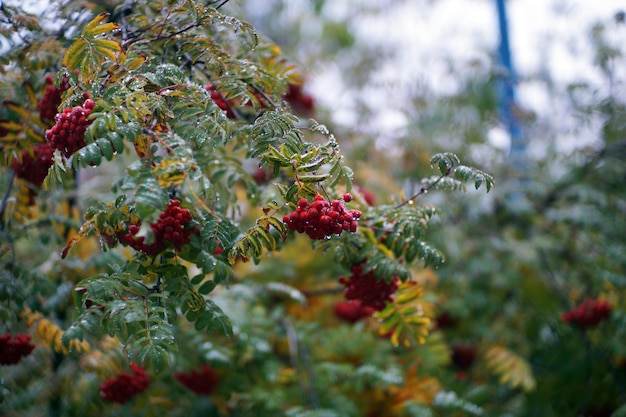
x: 424, y: 190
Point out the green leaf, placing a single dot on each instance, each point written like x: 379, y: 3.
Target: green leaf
x: 207, y: 287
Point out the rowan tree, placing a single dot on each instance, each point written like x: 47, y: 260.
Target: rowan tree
x: 137, y: 263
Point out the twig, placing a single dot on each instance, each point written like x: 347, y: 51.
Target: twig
x: 219, y: 5
x: 264, y: 95
x: 424, y: 190
x: 322, y: 291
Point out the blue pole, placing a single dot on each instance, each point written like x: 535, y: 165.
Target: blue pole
x: 507, y: 92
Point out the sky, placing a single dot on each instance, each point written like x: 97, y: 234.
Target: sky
x: 549, y: 38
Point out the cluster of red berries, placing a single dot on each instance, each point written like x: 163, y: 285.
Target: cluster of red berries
x: 171, y: 228
x: 11, y: 351
x: 68, y: 132
x: 49, y: 104
x: 299, y: 101
x: 352, y: 311
x: 364, y: 286
x: 124, y: 386
x: 320, y: 219
x: 35, y: 168
x: 202, y: 382
x: 588, y: 313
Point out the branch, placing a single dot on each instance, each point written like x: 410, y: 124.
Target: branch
x: 424, y: 190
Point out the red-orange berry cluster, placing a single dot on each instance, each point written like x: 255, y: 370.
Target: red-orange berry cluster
x: 321, y: 219
x: 202, y: 382
x: 124, y: 386
x: 35, y: 168
x: 68, y: 132
x: 588, y: 313
x: 11, y: 351
x: 49, y: 104
x: 364, y: 286
x: 172, y: 228
x: 352, y: 311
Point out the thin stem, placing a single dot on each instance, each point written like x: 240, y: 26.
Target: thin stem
x: 265, y: 96
x: 322, y: 291
x: 424, y: 190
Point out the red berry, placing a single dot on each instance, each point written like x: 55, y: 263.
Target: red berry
x: 352, y: 311
x: 463, y: 356
x: 364, y: 286
x: 202, y: 382
x: 171, y: 229
x: 11, y: 351
x: 68, y: 132
x: 124, y: 386
x: 300, y: 102
x: 320, y: 219
x: 588, y: 314
x: 221, y: 102
x: 49, y: 104
x: 35, y: 168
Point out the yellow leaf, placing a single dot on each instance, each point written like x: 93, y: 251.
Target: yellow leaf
x: 21, y: 111
x: 93, y: 28
x: 170, y: 172
x: 107, y: 44
x: 511, y: 368
x: 50, y: 334
x: 107, y: 47
x: 32, y: 96
x: 75, y: 54
x: 135, y: 63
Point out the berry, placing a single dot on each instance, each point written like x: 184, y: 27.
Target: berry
x: 352, y: 311
x: 261, y: 176
x: 171, y: 229
x: 68, y: 132
x: 347, y: 197
x: 588, y: 313
x: 463, y: 356
x: 34, y: 169
x: 49, y: 104
x: 222, y: 103
x: 202, y: 382
x: 299, y: 101
x: 124, y: 386
x: 369, y: 291
x: 367, y: 195
x: 445, y: 321
x: 320, y: 219
x: 11, y: 351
